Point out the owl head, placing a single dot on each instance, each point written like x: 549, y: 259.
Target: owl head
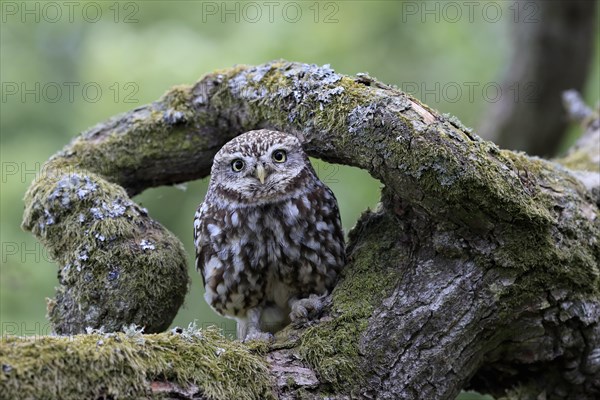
x: 260, y: 166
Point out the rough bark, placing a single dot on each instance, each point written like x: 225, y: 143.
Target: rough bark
x: 479, y: 269
x: 552, y: 52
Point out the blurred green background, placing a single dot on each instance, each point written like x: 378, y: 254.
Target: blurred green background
x: 68, y: 66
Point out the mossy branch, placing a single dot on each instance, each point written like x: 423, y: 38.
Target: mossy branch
x: 190, y: 363
x: 480, y: 268
x: 584, y: 156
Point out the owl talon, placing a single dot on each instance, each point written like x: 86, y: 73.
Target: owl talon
x: 304, y: 310
x: 299, y: 314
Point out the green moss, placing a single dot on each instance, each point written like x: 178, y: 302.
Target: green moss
x: 179, y: 98
x: 117, y: 265
x: 580, y: 161
x: 124, y: 365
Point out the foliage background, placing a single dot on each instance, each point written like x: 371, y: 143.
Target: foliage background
x: 136, y: 50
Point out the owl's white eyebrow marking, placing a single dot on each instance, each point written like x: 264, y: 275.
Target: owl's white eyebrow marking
x: 235, y: 155
x: 277, y: 146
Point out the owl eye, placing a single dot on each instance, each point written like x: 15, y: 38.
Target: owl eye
x: 279, y: 156
x: 237, y: 165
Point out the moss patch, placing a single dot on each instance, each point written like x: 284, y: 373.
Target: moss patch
x: 123, y: 366
x: 580, y: 161
x: 117, y: 265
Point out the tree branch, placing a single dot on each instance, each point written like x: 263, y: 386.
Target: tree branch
x: 552, y: 52
x: 480, y: 267
x: 132, y: 365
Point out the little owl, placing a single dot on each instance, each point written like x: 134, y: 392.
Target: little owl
x: 268, y: 235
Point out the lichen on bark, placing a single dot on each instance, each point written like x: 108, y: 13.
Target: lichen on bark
x: 117, y: 265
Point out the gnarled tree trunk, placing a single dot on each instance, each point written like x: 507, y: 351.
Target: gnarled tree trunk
x: 479, y: 269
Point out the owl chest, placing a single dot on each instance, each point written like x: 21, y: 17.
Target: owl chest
x: 267, y: 254
x: 268, y: 243
x: 265, y: 242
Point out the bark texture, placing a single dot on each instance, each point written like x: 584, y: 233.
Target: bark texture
x: 479, y: 269
x: 552, y: 52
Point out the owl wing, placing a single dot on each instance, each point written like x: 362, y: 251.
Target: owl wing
x: 200, y: 240
x: 331, y: 201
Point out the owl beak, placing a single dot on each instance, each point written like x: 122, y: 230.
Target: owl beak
x: 260, y: 173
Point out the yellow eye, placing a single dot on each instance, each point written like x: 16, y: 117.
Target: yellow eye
x: 237, y: 165
x: 279, y: 156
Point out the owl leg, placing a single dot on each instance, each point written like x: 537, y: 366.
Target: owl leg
x: 249, y: 328
x: 306, y: 309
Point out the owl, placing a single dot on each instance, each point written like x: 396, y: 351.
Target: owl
x: 268, y: 237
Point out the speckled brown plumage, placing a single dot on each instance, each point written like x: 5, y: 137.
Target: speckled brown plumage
x: 265, y: 247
